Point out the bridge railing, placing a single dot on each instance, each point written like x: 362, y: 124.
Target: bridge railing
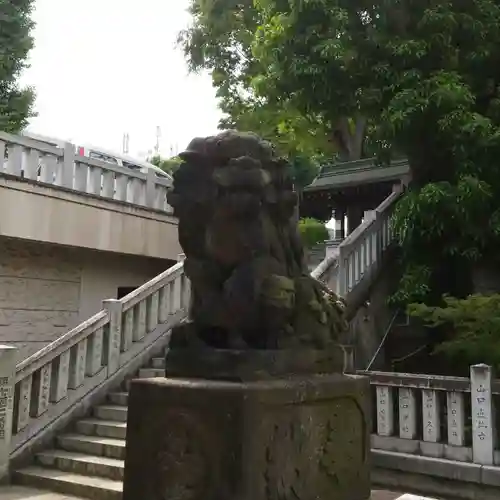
x: 357, y: 259
x: 450, y: 418
x: 29, y: 159
x: 49, y: 382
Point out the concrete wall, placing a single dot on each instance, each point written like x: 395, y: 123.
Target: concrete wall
x: 61, y: 216
x: 45, y: 289
x: 371, y: 321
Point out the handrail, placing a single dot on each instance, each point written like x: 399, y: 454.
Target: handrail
x: 64, y: 342
x: 34, y: 161
x: 324, y: 266
x: 53, y: 379
x: 360, y: 252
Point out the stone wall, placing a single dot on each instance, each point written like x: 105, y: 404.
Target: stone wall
x: 45, y: 290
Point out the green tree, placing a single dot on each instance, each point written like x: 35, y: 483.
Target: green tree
x: 15, y: 42
x: 168, y: 165
x: 424, y: 76
x: 220, y: 40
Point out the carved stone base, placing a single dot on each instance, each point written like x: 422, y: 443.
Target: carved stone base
x: 285, y: 437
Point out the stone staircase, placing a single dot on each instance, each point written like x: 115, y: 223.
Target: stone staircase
x: 87, y: 461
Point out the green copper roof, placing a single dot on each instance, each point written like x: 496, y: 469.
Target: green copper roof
x: 352, y: 173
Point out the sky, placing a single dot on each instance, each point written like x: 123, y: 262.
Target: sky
x: 102, y: 68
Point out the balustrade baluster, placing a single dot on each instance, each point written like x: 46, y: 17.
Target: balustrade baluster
x: 2, y: 156
x: 15, y: 159
x: 23, y: 402
x: 177, y: 294
x: 122, y: 182
x: 31, y: 170
x: 94, y: 352
x: 186, y: 292
x: 108, y: 183
x: 95, y: 180
x: 40, y: 391
x: 358, y: 257
x: 385, y: 410
x: 81, y: 176
x: 60, y: 377
x: 165, y: 300
x: 455, y: 418
x: 152, y: 311
x: 140, y: 326
x: 77, y: 364
x: 407, y: 413
x: 128, y: 330
x: 431, y: 417
x: 49, y: 168
x: 136, y: 187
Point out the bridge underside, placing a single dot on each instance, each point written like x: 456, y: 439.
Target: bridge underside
x: 36, y: 212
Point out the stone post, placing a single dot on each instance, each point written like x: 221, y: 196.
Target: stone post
x: 66, y: 170
x: 150, y: 188
x: 115, y: 309
x: 7, y: 382
x: 249, y: 426
x: 483, y: 436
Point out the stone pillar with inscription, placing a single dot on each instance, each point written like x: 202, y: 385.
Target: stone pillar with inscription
x: 7, y: 381
x: 240, y: 425
x: 483, y: 433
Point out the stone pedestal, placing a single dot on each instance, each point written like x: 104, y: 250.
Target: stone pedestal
x: 273, y: 432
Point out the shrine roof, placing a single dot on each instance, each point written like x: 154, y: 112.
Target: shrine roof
x: 352, y: 173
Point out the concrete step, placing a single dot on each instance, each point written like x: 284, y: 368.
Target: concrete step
x: 158, y: 363
x: 102, y: 428
x: 13, y: 492
x: 151, y: 372
x: 80, y: 463
x: 115, y: 413
x: 118, y: 398
x: 93, y: 445
x: 91, y: 487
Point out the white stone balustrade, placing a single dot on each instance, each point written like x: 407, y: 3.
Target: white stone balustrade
x: 360, y: 254
x: 441, y: 417
x: 357, y: 258
x: 47, y: 384
x: 38, y: 162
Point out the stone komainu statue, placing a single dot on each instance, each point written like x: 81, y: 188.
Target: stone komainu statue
x: 250, y: 286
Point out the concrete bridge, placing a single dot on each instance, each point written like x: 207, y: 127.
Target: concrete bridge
x: 73, y: 231
x: 63, y: 409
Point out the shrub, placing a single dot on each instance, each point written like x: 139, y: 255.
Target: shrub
x: 475, y: 325
x: 312, y: 231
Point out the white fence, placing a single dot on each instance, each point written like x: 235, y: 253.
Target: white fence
x: 48, y: 383
x: 436, y: 435
x: 61, y: 167
x: 448, y: 417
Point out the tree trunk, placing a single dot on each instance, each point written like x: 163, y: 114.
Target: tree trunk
x: 485, y: 278
x: 349, y: 142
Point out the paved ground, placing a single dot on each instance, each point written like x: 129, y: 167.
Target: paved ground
x: 388, y: 495
x: 20, y: 493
